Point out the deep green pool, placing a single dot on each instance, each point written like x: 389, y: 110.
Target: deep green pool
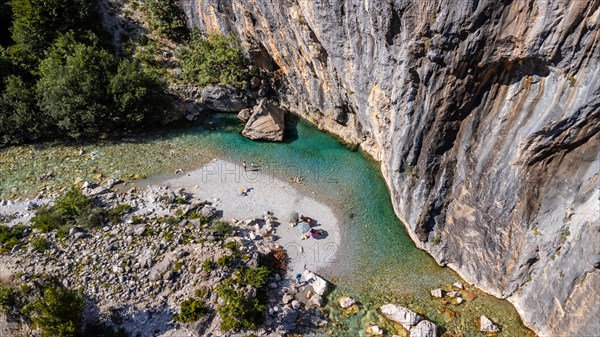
x: 377, y: 262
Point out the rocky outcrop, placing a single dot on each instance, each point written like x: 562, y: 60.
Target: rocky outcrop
x: 484, y: 115
x: 267, y: 122
x: 223, y: 99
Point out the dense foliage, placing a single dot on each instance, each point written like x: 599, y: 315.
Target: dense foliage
x: 10, y: 236
x: 59, y: 77
x: 215, y: 59
x: 239, y: 310
x: 165, y: 17
x: 59, y: 312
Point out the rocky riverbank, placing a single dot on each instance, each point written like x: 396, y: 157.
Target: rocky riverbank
x: 168, y: 246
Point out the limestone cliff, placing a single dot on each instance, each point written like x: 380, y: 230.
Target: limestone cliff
x: 485, y: 117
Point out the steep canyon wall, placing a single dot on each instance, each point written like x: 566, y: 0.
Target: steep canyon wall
x: 485, y: 116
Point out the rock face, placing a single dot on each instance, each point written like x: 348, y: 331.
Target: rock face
x: 424, y: 329
x: 483, y: 114
x: 223, y: 99
x: 266, y: 122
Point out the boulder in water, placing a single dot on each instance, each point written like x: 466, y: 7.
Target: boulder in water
x: 397, y: 313
x: 266, y: 122
x: 487, y: 326
x: 424, y: 329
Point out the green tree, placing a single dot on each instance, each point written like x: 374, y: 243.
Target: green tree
x: 19, y: 118
x: 216, y: 59
x: 138, y: 96
x: 36, y: 23
x: 72, y: 88
x: 59, y: 312
x: 5, y: 19
x: 166, y: 19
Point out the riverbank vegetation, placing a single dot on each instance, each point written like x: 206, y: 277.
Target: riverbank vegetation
x: 60, y: 77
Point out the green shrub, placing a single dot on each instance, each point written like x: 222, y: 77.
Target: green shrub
x: 223, y: 227
x: 191, y: 310
x: 231, y: 245
x: 238, y: 311
x: 256, y: 277
x: 216, y: 59
x: 40, y: 244
x: 71, y: 209
x: 9, y: 237
x: 225, y: 261
x: 59, y: 312
x: 7, y: 296
x: 115, y: 214
x: 208, y: 265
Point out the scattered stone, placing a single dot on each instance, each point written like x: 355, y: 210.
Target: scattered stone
x: 397, y: 313
x: 452, y: 294
x: 317, y: 321
x: 296, y: 304
x: 486, y: 325
x: 459, y: 300
x: 374, y: 330
x: 467, y: 295
x: 437, y: 293
x: 140, y: 230
x: 424, y: 329
x: 316, y: 300
x: 346, y: 302
x: 458, y: 285
x: 287, y: 298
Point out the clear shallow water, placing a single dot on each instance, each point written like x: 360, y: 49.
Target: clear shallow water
x: 377, y: 263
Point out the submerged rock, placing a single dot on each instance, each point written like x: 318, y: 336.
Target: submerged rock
x: 486, y: 325
x: 397, y: 313
x: 266, y: 122
x: 424, y: 329
x: 346, y: 302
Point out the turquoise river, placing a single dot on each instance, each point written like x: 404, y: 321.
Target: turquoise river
x: 377, y: 262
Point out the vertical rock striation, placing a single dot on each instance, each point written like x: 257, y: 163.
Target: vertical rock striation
x: 484, y: 116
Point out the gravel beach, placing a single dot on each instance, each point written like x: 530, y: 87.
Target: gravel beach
x: 221, y: 182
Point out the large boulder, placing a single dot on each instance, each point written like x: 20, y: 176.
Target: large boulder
x: 223, y: 99
x: 266, y: 122
x: 424, y: 329
x: 397, y: 313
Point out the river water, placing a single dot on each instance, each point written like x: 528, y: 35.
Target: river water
x: 377, y: 262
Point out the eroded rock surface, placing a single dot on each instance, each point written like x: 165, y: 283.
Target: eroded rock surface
x: 267, y: 122
x: 484, y: 115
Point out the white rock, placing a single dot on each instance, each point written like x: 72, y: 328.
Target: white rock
x: 458, y: 285
x: 397, y: 313
x: 424, y: 329
x: 316, y: 300
x: 459, y: 300
x: 296, y: 304
x: 374, y: 330
x: 486, y: 325
x: 346, y: 302
x: 437, y: 293
x: 318, y: 284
